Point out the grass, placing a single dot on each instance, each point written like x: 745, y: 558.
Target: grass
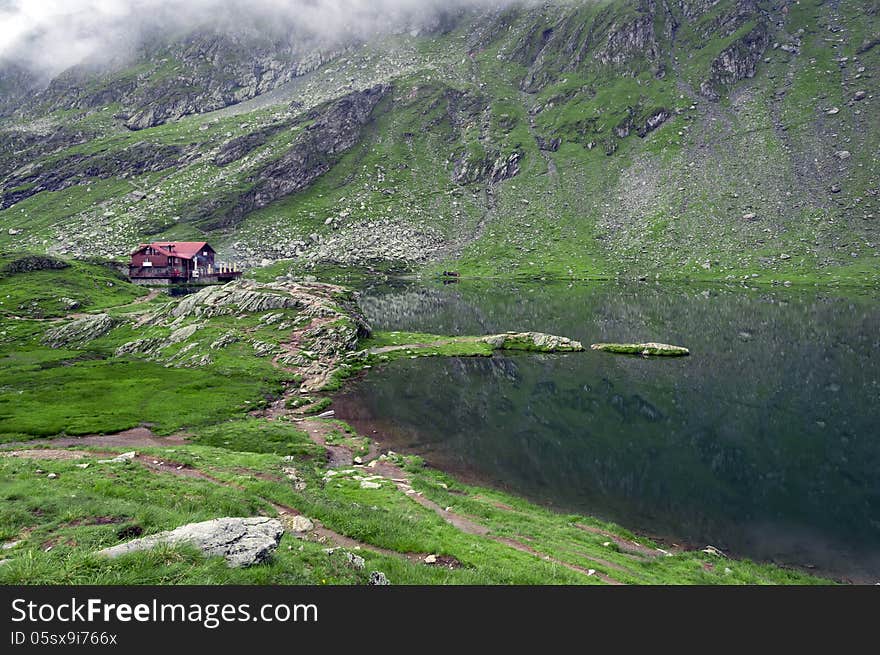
x: 53, y: 293
x: 61, y: 522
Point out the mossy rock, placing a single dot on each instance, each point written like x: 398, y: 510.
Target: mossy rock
x: 644, y: 349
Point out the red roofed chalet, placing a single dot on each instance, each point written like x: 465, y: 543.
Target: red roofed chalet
x: 178, y: 262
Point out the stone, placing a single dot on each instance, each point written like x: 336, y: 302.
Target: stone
x: 378, y: 579
x: 366, y: 484
x: 301, y: 525
x: 119, y: 459
x: 843, y: 155
x: 860, y: 95
x: 750, y: 216
x: 241, y: 541
x: 293, y: 475
x: 711, y: 550
x: 784, y: 257
x: 431, y: 559
x: 355, y: 561
x: 52, y: 476
x: 832, y: 111
x: 835, y: 188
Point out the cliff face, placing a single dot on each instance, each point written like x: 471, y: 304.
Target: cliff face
x: 737, y: 62
x: 661, y: 136
x: 198, y: 73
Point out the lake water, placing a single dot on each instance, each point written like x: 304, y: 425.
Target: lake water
x: 764, y: 443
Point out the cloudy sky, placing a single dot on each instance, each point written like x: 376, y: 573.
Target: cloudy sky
x: 51, y: 35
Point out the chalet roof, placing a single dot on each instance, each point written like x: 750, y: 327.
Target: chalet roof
x: 182, y: 249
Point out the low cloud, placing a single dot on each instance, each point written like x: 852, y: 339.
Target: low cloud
x: 49, y: 36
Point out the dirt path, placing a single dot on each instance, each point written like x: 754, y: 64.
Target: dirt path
x: 470, y: 526
x: 135, y: 438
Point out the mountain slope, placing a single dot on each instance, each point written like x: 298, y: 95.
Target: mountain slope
x: 693, y: 138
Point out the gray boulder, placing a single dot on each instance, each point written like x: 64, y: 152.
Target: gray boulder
x: 241, y: 541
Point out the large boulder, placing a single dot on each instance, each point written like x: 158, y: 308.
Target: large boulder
x: 241, y: 541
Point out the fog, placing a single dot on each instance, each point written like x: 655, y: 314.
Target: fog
x: 49, y: 36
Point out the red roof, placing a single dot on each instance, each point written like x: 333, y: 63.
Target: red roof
x: 182, y: 249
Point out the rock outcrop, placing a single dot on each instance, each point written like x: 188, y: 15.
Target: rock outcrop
x: 736, y: 62
x: 532, y: 341
x: 241, y: 541
x: 80, y: 331
x: 336, y: 128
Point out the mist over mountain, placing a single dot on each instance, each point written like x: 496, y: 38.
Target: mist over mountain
x: 50, y: 36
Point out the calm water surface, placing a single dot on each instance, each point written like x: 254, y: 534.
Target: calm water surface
x: 764, y: 443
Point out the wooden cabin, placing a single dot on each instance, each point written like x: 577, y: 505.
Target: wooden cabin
x: 178, y: 262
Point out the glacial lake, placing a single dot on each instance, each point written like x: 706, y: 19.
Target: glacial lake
x: 765, y: 443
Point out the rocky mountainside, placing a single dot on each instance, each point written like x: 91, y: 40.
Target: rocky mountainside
x: 698, y: 138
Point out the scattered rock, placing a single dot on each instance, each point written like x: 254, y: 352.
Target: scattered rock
x: 711, y: 550
x: 843, y: 155
x: 860, y: 95
x: 750, y: 217
x: 355, y: 561
x: 431, y: 559
x: 377, y: 578
x: 52, y: 476
x: 241, y: 541
x: 119, y: 459
x: 301, y: 525
x: 832, y: 111
x: 836, y: 188
x: 293, y: 475
x: 367, y: 484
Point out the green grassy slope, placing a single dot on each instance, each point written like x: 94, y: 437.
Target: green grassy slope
x: 777, y: 178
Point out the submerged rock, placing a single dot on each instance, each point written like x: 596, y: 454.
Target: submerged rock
x: 241, y: 541
x: 532, y: 341
x: 644, y: 349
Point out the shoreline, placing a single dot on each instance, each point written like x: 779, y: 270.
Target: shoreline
x: 317, y: 474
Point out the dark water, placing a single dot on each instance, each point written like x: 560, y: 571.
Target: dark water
x: 765, y: 443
